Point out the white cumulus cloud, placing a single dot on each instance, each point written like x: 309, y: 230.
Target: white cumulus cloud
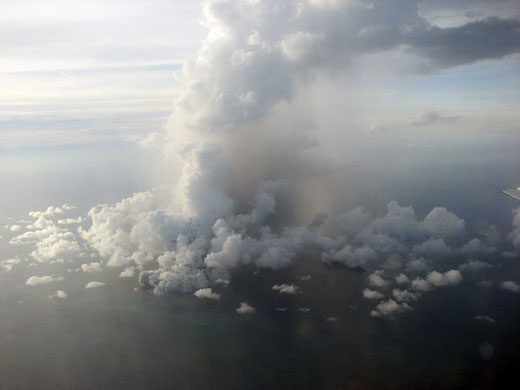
x: 372, y: 294
x: 40, y: 280
x: 390, y: 307
x: 206, y: 293
x: 94, y: 284
x: 245, y: 308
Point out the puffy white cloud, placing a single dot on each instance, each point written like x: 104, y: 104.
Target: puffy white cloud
x: 136, y: 224
x: 92, y: 267
x: 286, y: 288
x: 32, y: 237
x: 94, y: 284
x: 206, y: 293
x: 11, y: 261
x: 298, y: 45
x: 15, y: 228
x: 51, y: 211
x: 390, y: 307
x: 40, y: 280
x: 7, y: 265
x: 245, y: 308
x: 70, y: 221
x: 257, y: 51
x: 127, y: 272
x: 47, y: 217
x: 191, y: 252
x: 59, y: 294
x: 402, y: 279
x: 180, y: 278
x: 421, y: 285
x: 372, y: 294
x: 448, y: 278
x: 222, y: 282
x: 443, y: 223
x: 393, y: 235
x: 52, y: 243
x: 376, y: 280
x: 58, y: 246
x: 404, y: 295
x: 437, y: 279
x: 510, y: 286
x: 226, y: 247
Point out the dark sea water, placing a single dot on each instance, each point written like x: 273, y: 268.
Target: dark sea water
x: 120, y: 337
x: 117, y: 338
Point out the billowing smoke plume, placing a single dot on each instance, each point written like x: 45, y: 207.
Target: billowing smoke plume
x: 240, y: 174
x: 257, y: 54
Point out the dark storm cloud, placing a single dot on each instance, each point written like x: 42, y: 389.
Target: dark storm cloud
x: 486, y: 39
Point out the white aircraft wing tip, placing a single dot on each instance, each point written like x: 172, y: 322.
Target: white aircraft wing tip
x: 513, y: 193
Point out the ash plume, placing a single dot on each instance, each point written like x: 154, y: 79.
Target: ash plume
x: 244, y: 164
x: 242, y: 171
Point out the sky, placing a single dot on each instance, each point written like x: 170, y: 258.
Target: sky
x: 87, y: 72
x: 177, y: 149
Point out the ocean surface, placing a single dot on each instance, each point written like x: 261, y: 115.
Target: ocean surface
x: 122, y: 337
